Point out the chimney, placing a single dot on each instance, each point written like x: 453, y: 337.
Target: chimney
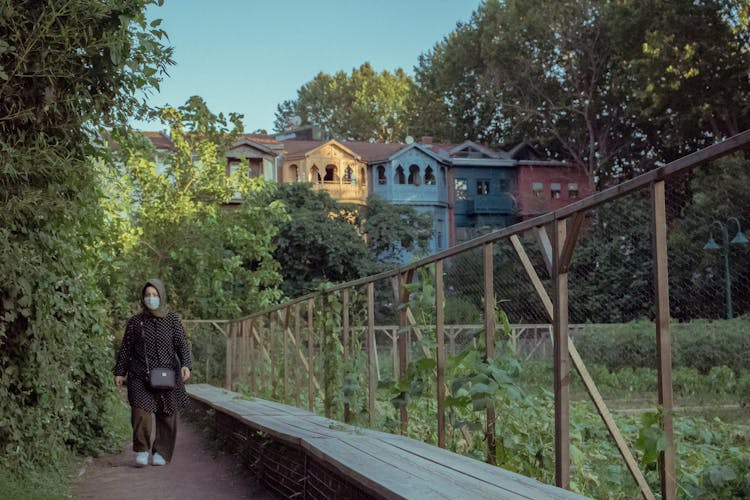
x: 427, y: 139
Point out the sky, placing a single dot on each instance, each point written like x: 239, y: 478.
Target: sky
x: 249, y: 56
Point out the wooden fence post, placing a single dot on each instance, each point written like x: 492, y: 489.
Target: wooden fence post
x: 372, y: 383
x: 489, y: 331
x: 440, y: 334
x: 298, y: 347
x: 561, y: 360
x: 310, y: 361
x: 345, y: 328
x: 663, y: 341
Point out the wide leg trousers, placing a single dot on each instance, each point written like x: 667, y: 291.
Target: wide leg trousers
x: 143, y: 426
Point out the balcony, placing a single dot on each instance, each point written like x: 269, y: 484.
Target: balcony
x: 502, y: 204
x: 344, y: 192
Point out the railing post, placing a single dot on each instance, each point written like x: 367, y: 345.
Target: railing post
x: 228, y: 361
x: 345, y: 328
x: 272, y: 384
x: 310, y: 361
x: 372, y: 382
x: 489, y: 331
x: 663, y: 340
x: 440, y: 334
x: 253, y: 355
x: 561, y: 359
x: 402, y: 346
x: 284, y: 329
x: 298, y: 347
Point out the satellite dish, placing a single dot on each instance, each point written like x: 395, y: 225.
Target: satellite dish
x: 409, y: 139
x: 296, y: 120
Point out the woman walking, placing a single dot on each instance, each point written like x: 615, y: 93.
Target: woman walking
x: 154, y: 338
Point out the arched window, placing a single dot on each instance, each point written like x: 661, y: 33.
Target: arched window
x: 348, y: 175
x: 414, y: 175
x: 315, y: 175
x: 294, y: 173
x: 332, y: 174
x: 363, y: 176
x: 381, y: 175
x: 429, y: 177
x: 444, y: 176
x: 399, y: 178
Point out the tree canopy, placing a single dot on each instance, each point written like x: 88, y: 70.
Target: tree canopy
x: 363, y: 106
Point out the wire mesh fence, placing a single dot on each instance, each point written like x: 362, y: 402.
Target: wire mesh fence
x: 521, y: 346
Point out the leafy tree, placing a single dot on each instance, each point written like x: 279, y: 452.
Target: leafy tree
x: 65, y: 69
x: 393, y: 229
x: 174, y: 219
x: 611, y: 86
x: 362, y: 106
x: 320, y: 242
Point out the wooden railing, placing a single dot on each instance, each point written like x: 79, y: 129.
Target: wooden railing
x: 287, y: 331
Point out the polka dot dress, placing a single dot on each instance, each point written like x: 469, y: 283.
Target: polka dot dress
x: 166, y: 345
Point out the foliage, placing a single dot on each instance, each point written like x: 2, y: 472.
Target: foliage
x: 319, y: 242
x: 65, y: 70
x: 700, y: 344
x: 610, y: 86
x: 362, y: 106
x: 171, y: 217
x: 392, y: 229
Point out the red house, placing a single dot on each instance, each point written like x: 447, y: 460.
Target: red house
x: 545, y: 185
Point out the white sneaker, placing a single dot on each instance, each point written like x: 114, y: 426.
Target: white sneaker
x: 141, y: 458
x: 158, y: 460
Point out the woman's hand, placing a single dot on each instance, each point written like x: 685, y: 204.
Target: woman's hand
x: 185, y: 372
x: 119, y: 380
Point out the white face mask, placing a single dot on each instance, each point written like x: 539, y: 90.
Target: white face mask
x: 151, y: 302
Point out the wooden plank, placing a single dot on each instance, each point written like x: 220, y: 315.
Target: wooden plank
x: 561, y: 360
x: 253, y: 356
x: 667, y: 466
x: 489, y: 332
x: 377, y: 477
x: 372, y: 382
x: 272, y: 381
x: 571, y: 238
x: 450, y: 483
x: 440, y: 334
x: 476, y: 470
x: 545, y: 245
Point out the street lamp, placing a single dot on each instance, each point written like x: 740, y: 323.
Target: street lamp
x: 739, y: 239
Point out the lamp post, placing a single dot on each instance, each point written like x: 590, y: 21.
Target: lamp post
x: 739, y: 239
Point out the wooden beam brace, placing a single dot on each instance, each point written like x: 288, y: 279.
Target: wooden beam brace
x: 571, y: 238
x: 588, y: 381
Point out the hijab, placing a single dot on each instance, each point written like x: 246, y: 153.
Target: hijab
x: 161, y: 311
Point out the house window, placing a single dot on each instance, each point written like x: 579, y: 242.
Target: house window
x: 348, y: 175
x: 234, y: 165
x: 381, y: 175
x: 414, y: 175
x: 363, y: 176
x: 555, y: 190
x: 315, y: 175
x: 400, y: 178
x: 443, y: 176
x: 295, y: 173
x: 462, y: 189
x: 538, y: 189
x: 429, y: 177
x: 483, y: 187
x: 332, y: 174
x: 504, y: 185
x: 573, y: 190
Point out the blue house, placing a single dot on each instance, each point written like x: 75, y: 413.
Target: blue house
x: 417, y: 177
x: 484, y: 183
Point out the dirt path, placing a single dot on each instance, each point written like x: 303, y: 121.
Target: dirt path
x: 194, y: 473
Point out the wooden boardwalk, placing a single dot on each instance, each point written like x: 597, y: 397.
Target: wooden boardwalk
x: 376, y: 464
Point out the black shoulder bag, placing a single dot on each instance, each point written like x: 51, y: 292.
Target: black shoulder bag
x: 161, y: 378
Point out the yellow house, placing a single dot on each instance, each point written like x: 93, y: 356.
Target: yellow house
x: 328, y: 165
